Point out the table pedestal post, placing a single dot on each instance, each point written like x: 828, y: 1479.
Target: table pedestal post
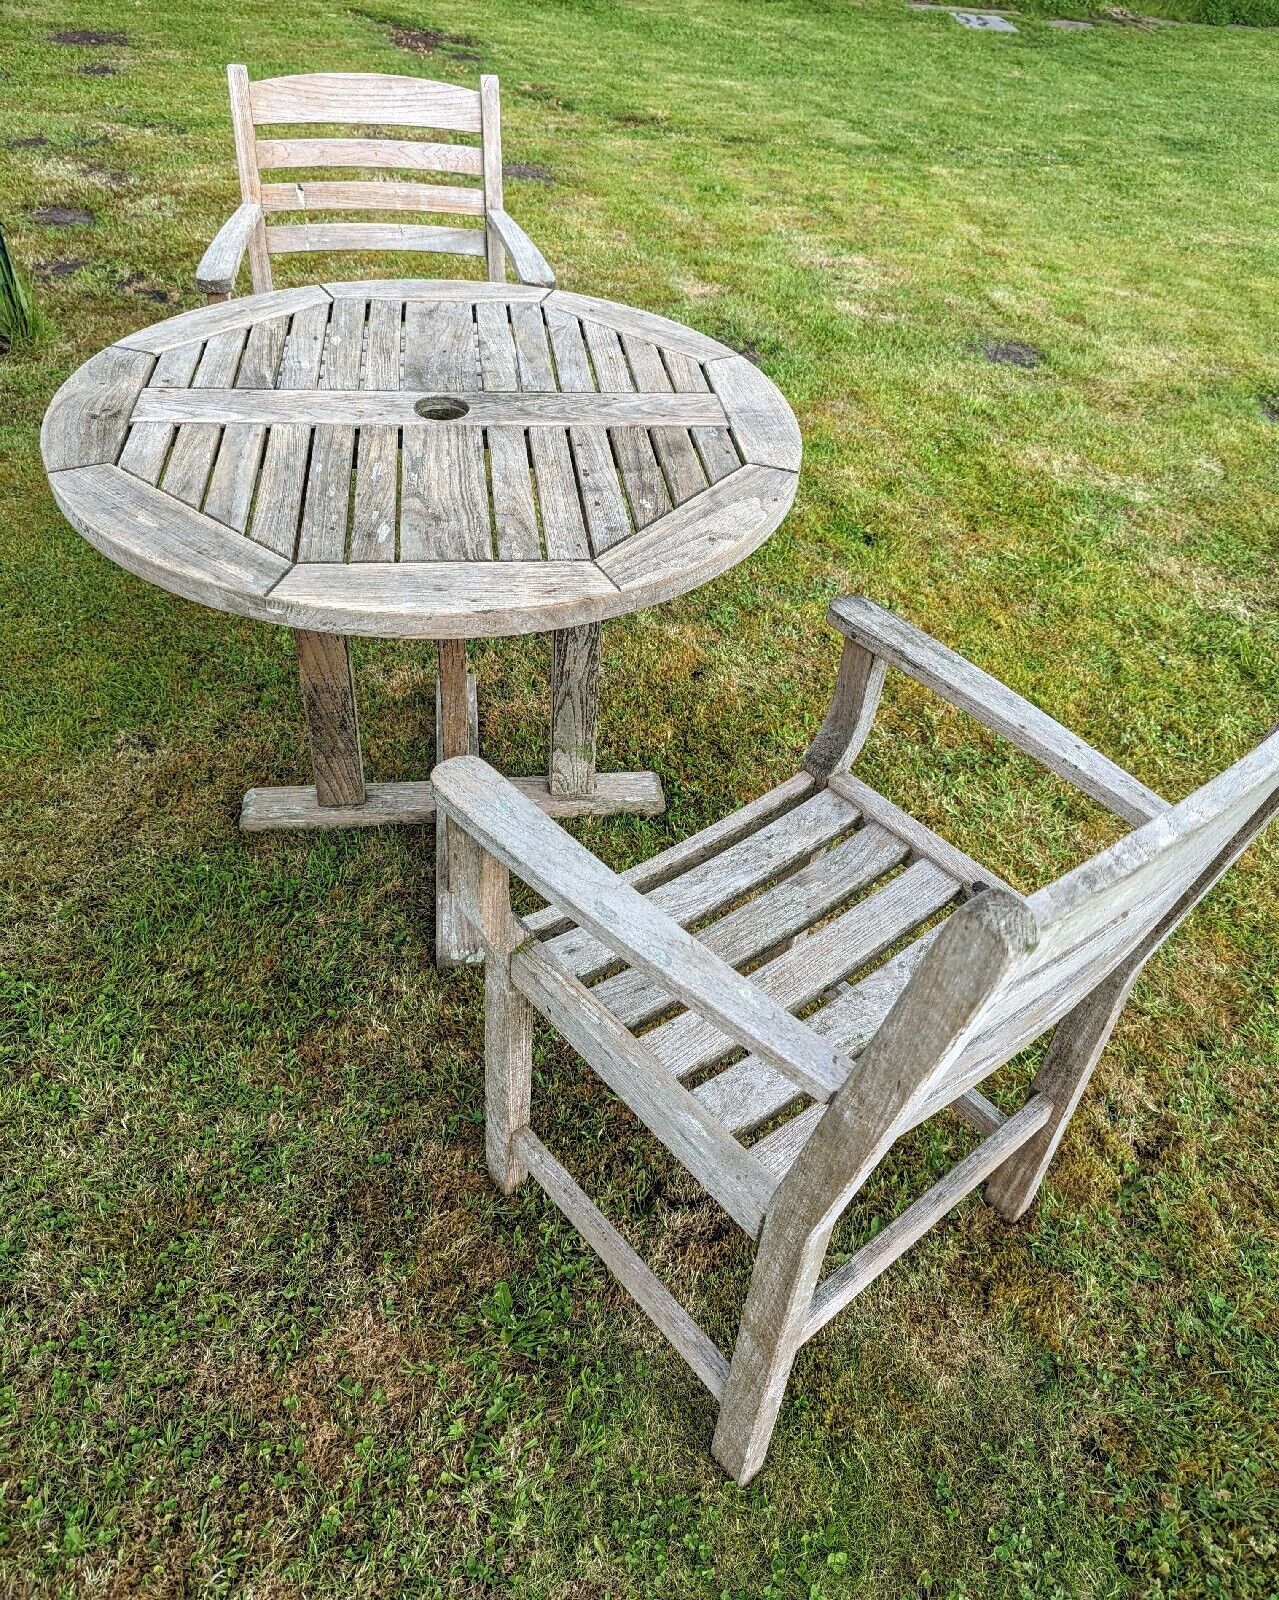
x: 457, y: 733
x: 328, y: 699
x: 575, y: 702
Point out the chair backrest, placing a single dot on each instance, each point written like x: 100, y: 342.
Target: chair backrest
x: 1002, y: 970
x: 375, y: 101
x: 1117, y: 908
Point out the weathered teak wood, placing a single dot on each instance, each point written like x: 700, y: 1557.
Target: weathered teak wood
x: 575, y: 694
x: 435, y: 460
x: 457, y: 732
x: 328, y: 698
x: 807, y: 887
x: 368, y: 100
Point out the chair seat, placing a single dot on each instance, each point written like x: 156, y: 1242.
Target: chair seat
x: 806, y: 893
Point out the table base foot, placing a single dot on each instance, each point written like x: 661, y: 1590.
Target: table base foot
x: 295, y: 806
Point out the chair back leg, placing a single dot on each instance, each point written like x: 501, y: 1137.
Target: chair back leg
x: 1075, y: 1049
x: 787, y: 1267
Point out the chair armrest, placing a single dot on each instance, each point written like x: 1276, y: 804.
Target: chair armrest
x: 1000, y: 709
x: 220, y: 267
x: 510, y: 827
x: 531, y: 266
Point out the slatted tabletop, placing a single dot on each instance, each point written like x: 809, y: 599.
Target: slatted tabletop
x: 422, y: 459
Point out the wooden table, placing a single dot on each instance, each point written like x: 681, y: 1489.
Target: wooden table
x: 425, y: 460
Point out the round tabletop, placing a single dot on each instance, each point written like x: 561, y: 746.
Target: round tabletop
x: 422, y: 459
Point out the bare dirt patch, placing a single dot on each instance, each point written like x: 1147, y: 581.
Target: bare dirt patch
x: 137, y: 284
x: 527, y: 170
x: 35, y: 142
x: 1012, y: 353
x: 1269, y: 404
x: 59, y: 269
x: 112, y: 175
x: 425, y: 41
x: 98, y: 69
x: 91, y: 37
x: 64, y: 216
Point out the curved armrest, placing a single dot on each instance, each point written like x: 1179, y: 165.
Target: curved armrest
x: 510, y: 827
x: 220, y: 267
x: 531, y: 266
x: 1000, y: 709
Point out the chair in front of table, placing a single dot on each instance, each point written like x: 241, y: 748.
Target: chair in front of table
x: 365, y: 100
x: 678, y: 982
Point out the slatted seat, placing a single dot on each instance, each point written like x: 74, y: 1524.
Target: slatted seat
x: 376, y: 101
x: 783, y: 997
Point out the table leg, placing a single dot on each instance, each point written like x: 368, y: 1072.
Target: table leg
x: 328, y: 698
x: 575, y: 699
x: 456, y: 734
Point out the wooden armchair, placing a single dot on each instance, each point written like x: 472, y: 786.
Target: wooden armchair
x: 782, y: 1120
x: 369, y: 100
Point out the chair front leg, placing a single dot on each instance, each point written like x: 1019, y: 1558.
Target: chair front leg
x: 483, y: 886
x: 787, y: 1267
x: 508, y: 1071
x: 1076, y: 1046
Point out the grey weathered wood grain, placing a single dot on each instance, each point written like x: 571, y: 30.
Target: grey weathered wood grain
x: 147, y: 447
x: 673, y: 447
x: 575, y: 690
x: 371, y: 99
x: 707, y: 886
x: 548, y: 409
x: 240, y: 100
x: 715, y: 446
x: 444, y: 502
x: 282, y: 481
x: 186, y: 475
x: 514, y: 502
x: 491, y: 131
x: 769, y: 921
x: 530, y: 265
x: 408, y: 155
x: 235, y: 471
x: 858, y: 685
x: 504, y: 824
x: 291, y: 806
x: 608, y: 516
x: 800, y: 974
x: 375, y: 505
x: 301, y: 238
x: 328, y: 701
x: 325, y: 509
x: 699, y: 847
x: 331, y: 195
x: 763, y: 426
x: 632, y: 447
x: 88, y: 418
x: 220, y: 265
x: 210, y: 321
x: 157, y: 538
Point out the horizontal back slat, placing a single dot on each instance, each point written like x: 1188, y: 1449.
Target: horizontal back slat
x: 289, y: 238
x: 324, y: 196
x: 366, y: 98
x: 408, y: 155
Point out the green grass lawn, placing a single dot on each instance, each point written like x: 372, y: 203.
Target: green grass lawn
x: 265, y: 1328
